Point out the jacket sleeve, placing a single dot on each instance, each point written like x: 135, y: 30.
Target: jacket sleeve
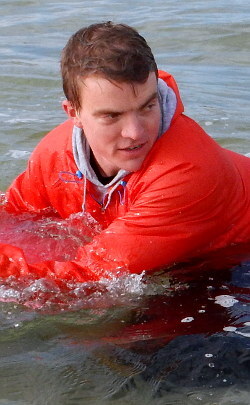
x: 163, y: 227
x: 85, y: 268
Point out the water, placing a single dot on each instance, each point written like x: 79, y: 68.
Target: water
x: 181, y: 339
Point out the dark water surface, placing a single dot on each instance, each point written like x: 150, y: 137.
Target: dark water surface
x: 183, y: 336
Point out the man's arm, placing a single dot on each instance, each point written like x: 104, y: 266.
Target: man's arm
x: 163, y: 226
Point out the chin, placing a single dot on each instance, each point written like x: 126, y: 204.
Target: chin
x: 133, y: 167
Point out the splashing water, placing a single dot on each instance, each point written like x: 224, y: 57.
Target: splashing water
x: 44, y: 237
x: 47, y: 237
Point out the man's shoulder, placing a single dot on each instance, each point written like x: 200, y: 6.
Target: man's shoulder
x: 185, y: 160
x: 60, y: 134
x: 59, y: 138
x: 55, y: 147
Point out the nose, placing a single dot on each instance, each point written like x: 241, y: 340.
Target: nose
x: 133, y: 127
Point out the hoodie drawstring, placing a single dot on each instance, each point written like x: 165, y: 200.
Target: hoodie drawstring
x: 77, y: 177
x: 77, y: 174
x: 122, y: 194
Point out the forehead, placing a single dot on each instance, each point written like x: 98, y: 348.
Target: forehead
x: 96, y: 90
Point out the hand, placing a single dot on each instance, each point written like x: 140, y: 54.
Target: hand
x: 12, y: 261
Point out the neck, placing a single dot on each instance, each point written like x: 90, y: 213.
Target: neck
x: 102, y: 177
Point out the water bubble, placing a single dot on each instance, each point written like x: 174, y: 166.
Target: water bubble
x: 188, y: 319
x: 229, y: 328
x: 226, y: 301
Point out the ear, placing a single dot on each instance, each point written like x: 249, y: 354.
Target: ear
x: 71, y: 112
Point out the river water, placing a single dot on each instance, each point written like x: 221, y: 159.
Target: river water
x: 176, y: 339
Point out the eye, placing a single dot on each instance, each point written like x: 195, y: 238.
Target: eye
x: 150, y: 106
x: 112, y: 115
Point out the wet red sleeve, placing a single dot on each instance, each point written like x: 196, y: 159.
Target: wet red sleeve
x: 85, y: 268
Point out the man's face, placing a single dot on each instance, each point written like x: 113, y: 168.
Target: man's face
x: 120, y: 121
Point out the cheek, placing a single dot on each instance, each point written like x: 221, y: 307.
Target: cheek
x: 109, y: 135
x: 153, y: 128
x: 90, y: 130
x: 100, y: 138
x: 157, y: 123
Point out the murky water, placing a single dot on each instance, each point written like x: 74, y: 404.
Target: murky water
x: 181, y: 337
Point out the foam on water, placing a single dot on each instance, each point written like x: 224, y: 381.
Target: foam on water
x: 18, y: 154
x: 45, y: 295
x: 226, y: 301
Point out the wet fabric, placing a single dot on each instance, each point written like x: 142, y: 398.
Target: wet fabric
x: 189, y: 198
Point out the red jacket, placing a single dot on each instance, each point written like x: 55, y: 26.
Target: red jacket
x: 189, y: 198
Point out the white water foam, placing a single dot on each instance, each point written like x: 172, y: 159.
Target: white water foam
x: 18, y: 154
x: 225, y: 301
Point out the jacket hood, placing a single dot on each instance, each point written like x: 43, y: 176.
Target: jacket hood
x: 171, y: 83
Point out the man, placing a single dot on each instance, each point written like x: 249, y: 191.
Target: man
x: 161, y: 188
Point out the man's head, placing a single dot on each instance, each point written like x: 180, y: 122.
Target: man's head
x: 110, y: 82
x: 114, y: 51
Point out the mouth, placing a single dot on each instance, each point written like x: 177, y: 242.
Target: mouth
x: 132, y: 148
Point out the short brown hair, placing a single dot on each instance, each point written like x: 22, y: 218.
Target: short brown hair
x: 116, y: 51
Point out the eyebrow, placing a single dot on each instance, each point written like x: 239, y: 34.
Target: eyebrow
x: 110, y: 111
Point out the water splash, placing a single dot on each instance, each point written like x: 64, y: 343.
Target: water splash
x: 44, y: 237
